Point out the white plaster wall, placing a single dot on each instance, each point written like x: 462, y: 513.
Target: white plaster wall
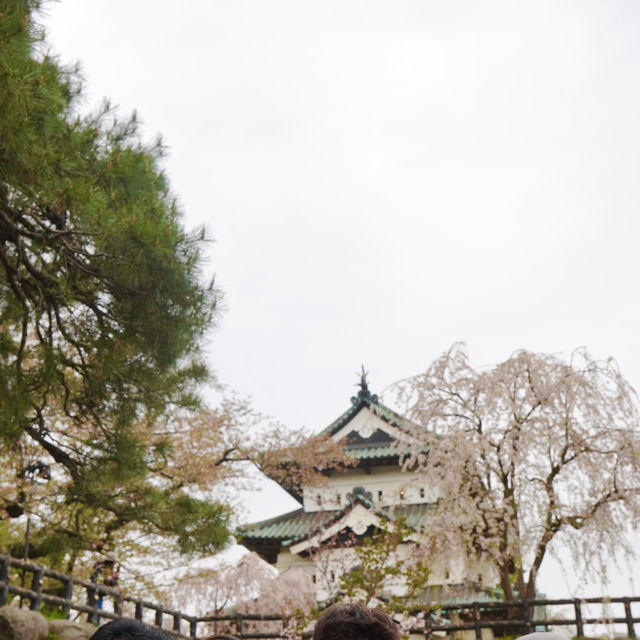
x: 330, y: 564
x: 454, y: 569
x: 388, y: 485
x: 286, y: 560
x: 326, y: 567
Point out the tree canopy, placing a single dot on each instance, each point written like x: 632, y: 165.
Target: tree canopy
x: 102, y: 299
x: 530, y: 455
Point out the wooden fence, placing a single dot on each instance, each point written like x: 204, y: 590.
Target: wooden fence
x: 69, y: 587
x: 525, y: 616
x: 71, y: 594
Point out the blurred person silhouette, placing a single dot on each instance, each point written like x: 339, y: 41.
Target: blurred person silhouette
x: 110, y: 570
x: 129, y: 629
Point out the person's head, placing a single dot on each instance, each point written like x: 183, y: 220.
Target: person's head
x: 355, y: 622
x: 128, y: 629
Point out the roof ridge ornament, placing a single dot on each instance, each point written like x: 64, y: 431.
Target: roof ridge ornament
x: 364, y: 393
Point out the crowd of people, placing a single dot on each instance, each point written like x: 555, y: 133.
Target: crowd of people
x: 339, y: 622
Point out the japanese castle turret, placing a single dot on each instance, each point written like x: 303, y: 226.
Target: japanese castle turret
x: 354, y: 502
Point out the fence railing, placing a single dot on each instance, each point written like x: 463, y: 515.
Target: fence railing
x: 502, y: 618
x: 69, y: 588
x: 524, y: 616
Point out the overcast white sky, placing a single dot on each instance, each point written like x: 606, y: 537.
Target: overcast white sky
x: 384, y: 178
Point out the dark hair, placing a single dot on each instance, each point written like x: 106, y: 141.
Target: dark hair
x: 355, y: 622
x: 129, y: 629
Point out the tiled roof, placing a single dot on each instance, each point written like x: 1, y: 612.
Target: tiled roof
x: 297, y: 525
x: 379, y: 450
x: 416, y: 515
x: 365, y: 399
x: 376, y: 453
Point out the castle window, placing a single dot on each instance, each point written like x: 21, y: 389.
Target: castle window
x: 338, y: 498
x: 422, y: 492
x: 380, y: 495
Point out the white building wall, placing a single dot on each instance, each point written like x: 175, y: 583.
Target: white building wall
x: 286, y: 560
x: 388, y: 486
x: 328, y: 565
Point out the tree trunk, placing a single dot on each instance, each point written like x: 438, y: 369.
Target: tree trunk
x: 505, y: 582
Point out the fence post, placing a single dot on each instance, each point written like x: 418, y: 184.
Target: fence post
x: 117, y: 605
x: 92, y: 616
x: 476, y: 621
x: 67, y: 594
x: 238, y: 625
x: 4, y: 581
x: 159, y: 616
x: 36, y: 585
x: 631, y: 632
x: 427, y: 626
x: 579, y: 625
x: 176, y: 622
x: 193, y: 628
x: 138, y: 612
x: 526, y: 610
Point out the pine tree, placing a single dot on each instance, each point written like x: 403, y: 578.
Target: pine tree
x: 102, y: 304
